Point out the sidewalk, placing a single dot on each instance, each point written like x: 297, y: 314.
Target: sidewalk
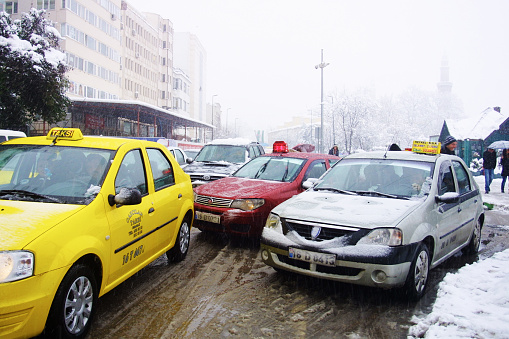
x: 499, y: 200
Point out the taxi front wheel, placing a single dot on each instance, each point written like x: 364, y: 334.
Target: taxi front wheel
x: 417, y: 279
x: 74, y: 305
x: 179, y: 250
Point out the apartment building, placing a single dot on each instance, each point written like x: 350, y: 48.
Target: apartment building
x: 118, y: 53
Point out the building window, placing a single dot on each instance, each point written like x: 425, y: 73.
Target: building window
x: 45, y: 4
x: 11, y: 7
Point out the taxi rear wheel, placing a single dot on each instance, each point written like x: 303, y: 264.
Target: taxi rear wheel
x: 475, y: 240
x: 179, y: 250
x: 74, y: 305
x: 417, y: 279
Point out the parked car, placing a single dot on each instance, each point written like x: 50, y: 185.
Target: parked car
x: 80, y: 215
x: 381, y: 219
x: 239, y: 204
x: 220, y: 158
x: 7, y: 134
x: 179, y: 154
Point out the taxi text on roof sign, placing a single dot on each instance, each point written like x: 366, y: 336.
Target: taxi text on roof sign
x: 65, y: 133
x: 427, y: 147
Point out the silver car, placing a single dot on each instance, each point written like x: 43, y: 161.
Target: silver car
x: 381, y: 219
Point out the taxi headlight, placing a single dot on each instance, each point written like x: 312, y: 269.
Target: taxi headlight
x: 383, y: 236
x: 16, y: 265
x: 247, y: 204
x: 273, y: 221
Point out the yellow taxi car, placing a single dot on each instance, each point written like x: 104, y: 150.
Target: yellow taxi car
x: 79, y: 216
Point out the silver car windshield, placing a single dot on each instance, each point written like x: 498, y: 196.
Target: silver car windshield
x: 226, y: 153
x: 52, y: 173
x: 391, y: 178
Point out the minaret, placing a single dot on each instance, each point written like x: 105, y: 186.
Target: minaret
x: 444, y: 86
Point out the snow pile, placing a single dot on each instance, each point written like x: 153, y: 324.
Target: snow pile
x: 472, y: 303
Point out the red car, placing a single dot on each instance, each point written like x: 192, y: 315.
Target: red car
x: 239, y: 204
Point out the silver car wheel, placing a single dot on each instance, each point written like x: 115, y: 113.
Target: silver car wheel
x: 421, y: 271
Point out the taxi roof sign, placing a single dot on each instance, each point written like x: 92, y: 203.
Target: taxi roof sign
x: 65, y: 133
x: 426, y: 147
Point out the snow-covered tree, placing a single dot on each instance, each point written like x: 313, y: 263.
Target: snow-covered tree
x: 32, y: 71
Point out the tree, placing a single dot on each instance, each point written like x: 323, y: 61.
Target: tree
x: 32, y: 71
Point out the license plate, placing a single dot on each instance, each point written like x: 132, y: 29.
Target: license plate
x: 216, y: 219
x: 324, y: 259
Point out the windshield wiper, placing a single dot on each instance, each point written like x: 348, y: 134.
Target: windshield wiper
x: 28, y: 194
x: 376, y: 193
x: 337, y: 190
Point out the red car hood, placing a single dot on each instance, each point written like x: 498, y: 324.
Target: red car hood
x: 235, y: 188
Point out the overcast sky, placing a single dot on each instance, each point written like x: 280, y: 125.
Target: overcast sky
x: 261, y: 54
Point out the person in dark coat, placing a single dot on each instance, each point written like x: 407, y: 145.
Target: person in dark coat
x: 504, y: 162
x: 489, y: 162
x: 449, y: 145
x: 394, y: 147
x: 334, y: 151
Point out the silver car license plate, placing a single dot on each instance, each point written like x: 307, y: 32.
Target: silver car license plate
x: 325, y: 259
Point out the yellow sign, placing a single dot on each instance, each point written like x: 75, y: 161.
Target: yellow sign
x: 65, y: 133
x: 427, y: 147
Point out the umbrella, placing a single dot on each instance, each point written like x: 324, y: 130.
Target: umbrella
x: 499, y: 144
x: 304, y: 148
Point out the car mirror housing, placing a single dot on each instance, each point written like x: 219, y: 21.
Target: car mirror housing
x: 126, y: 196
x: 189, y: 160
x: 448, y: 198
x: 310, y: 182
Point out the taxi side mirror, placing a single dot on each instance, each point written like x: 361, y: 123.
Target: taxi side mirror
x: 126, y: 196
x: 310, y: 182
x: 448, y: 198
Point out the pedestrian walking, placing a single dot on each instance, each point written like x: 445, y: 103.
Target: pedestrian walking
x: 334, y: 151
x: 504, y: 163
x: 489, y: 163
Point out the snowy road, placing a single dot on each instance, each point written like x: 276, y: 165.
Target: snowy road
x: 224, y: 290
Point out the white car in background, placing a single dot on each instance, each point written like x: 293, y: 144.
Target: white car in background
x: 7, y: 134
x: 380, y: 219
x: 180, y: 155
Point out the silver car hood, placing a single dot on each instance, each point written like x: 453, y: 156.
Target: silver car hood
x: 347, y: 210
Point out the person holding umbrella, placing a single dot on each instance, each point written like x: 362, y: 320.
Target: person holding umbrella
x: 504, y: 162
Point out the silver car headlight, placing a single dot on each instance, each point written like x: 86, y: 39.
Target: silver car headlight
x: 273, y: 221
x: 247, y: 204
x: 16, y: 265
x: 383, y: 236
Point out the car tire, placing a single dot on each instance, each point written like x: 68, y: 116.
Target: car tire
x: 179, y: 250
x: 418, y: 274
x: 475, y: 240
x: 73, y: 308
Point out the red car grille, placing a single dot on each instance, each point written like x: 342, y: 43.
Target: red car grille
x: 212, y: 201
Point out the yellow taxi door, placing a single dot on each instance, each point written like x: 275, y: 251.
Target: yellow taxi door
x: 166, y: 199
x: 131, y: 225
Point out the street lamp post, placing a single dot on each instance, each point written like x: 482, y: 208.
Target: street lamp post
x: 215, y: 95
x: 321, y: 65
x: 227, y: 120
x: 333, y: 132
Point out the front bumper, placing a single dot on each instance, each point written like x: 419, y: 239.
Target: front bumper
x: 233, y: 221
x: 25, y: 304
x: 386, y: 270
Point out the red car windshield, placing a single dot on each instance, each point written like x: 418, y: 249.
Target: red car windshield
x: 271, y: 168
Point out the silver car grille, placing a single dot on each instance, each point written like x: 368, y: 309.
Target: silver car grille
x: 212, y: 201
x: 327, y: 232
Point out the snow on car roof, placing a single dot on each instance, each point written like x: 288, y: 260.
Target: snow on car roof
x: 395, y: 155
x: 231, y: 141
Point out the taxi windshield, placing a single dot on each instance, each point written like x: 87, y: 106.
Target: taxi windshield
x: 283, y: 169
x: 389, y: 178
x: 71, y: 175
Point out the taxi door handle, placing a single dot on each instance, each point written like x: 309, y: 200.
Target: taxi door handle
x: 151, y: 210
x: 180, y: 195
x: 459, y: 209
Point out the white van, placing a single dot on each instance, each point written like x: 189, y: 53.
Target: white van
x: 6, y: 134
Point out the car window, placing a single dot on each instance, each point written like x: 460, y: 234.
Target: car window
x: 131, y: 173
x: 162, y: 171
x: 395, y: 177
x: 228, y: 153
x: 446, y: 179
x: 462, y: 177
x: 316, y: 169
x: 179, y: 156
x: 271, y: 168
